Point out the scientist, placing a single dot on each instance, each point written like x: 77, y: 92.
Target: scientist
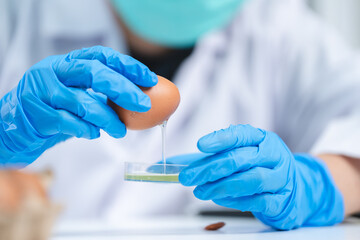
x: 271, y: 64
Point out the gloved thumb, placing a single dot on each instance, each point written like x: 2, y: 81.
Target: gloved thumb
x: 232, y: 137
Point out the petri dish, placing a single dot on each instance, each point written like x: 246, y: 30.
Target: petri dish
x: 148, y: 172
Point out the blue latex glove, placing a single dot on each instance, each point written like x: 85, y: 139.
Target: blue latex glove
x: 253, y: 170
x: 64, y: 96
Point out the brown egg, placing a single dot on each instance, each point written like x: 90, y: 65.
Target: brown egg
x: 10, y: 196
x: 165, y: 99
x: 29, y: 184
x: 16, y: 186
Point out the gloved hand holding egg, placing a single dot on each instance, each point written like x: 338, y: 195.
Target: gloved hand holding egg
x: 65, y: 96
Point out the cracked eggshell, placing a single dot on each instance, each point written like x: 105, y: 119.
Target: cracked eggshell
x: 165, y: 99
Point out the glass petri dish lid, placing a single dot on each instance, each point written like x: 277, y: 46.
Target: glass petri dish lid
x: 149, y: 172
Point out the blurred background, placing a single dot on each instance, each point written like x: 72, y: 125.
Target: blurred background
x: 343, y: 14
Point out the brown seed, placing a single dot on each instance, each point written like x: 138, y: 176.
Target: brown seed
x: 214, y: 226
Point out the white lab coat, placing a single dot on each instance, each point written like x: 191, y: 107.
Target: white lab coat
x: 275, y: 66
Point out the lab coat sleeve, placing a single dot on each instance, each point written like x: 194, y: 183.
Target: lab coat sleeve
x: 15, y: 38
x: 341, y: 137
x: 9, y: 11
x: 5, y: 29
x: 320, y: 88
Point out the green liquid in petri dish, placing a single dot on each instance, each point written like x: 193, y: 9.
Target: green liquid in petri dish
x: 166, y: 178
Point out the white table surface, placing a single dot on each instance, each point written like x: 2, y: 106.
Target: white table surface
x: 192, y: 228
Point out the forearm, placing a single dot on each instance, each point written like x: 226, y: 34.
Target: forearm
x: 346, y: 174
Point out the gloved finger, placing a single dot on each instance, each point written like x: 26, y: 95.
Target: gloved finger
x: 173, y: 162
x: 217, y: 166
x: 230, y: 138
x: 98, y: 96
x: 127, y: 66
x: 165, y: 169
x: 74, y: 126
x: 254, y: 181
x: 64, y: 122
x: 84, y: 106
x: 185, y: 159
x: 95, y: 75
x: 267, y: 204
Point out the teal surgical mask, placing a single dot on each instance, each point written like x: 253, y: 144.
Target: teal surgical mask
x: 175, y: 23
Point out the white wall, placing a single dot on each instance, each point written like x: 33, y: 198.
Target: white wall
x: 344, y: 14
